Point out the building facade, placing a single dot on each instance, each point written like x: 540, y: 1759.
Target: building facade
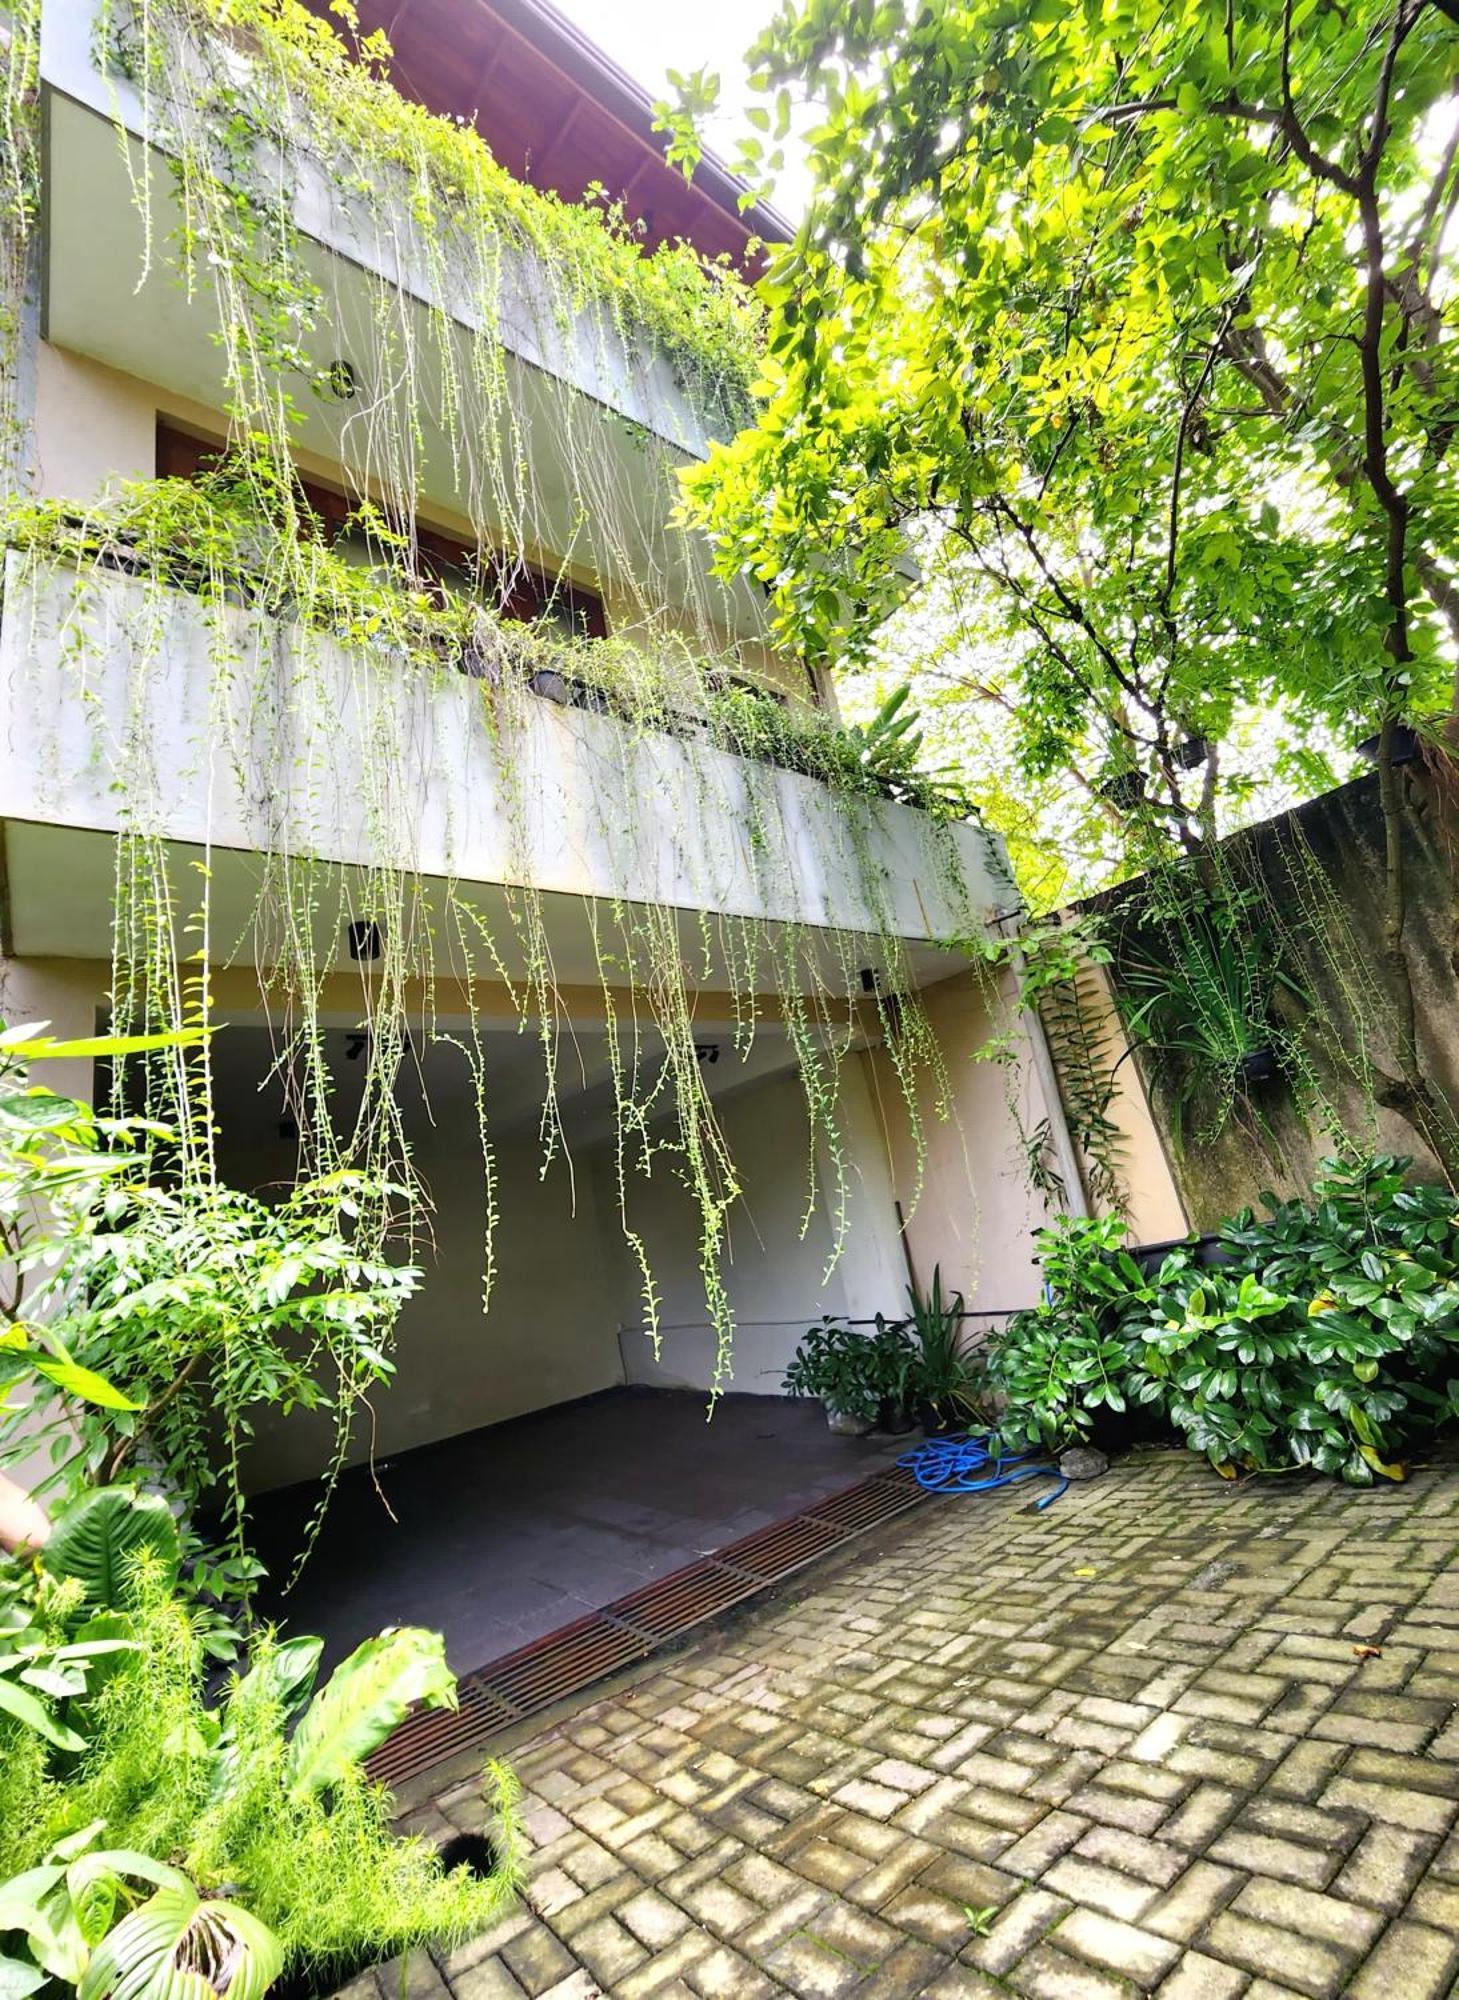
x: 367, y: 707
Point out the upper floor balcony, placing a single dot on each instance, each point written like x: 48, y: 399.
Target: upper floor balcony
x: 466, y: 359
x: 235, y: 735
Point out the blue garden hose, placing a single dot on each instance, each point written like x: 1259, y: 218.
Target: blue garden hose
x: 968, y: 1464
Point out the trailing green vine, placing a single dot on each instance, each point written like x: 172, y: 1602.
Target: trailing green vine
x: 293, y: 621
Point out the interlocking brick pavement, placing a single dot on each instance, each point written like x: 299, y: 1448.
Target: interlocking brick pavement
x: 1172, y: 1737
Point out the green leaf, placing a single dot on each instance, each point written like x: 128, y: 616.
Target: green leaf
x: 19, y: 1980
x: 33, y: 1713
x: 178, y: 1947
x: 99, y: 1536
x: 86, y: 1384
x: 363, y: 1701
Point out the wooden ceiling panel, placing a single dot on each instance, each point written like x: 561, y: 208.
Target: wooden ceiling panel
x: 558, y: 114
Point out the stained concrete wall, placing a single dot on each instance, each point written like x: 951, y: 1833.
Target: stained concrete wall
x: 1321, y: 870
x: 976, y: 1214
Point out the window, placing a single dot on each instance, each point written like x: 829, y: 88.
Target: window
x: 444, y: 561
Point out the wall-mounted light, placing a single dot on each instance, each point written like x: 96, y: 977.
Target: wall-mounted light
x: 366, y: 941
x: 338, y: 382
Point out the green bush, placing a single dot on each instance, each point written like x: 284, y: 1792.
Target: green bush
x: 1056, y: 1366
x: 1328, y: 1339
x: 142, y: 1825
x: 1324, y: 1337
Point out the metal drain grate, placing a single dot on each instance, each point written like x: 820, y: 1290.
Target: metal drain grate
x: 536, y: 1677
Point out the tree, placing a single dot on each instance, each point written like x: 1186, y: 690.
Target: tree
x: 1141, y: 315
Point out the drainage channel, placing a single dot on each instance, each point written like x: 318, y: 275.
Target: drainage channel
x: 519, y: 1685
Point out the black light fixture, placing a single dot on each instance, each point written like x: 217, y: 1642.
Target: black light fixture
x: 366, y: 941
x: 338, y: 382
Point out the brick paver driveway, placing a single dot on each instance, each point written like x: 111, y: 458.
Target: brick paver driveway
x: 1171, y: 1736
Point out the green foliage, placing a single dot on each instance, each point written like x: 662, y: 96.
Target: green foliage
x: 1322, y: 1338
x: 1327, y: 1339
x: 160, y: 1316
x: 920, y: 1359
x: 1059, y: 1364
x: 1137, y: 324
x: 1198, y: 984
x: 275, y: 1827
x: 839, y: 1365
x: 98, y: 1538
x: 945, y: 1374
x: 362, y: 1702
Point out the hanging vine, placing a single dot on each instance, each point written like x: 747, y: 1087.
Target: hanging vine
x: 487, y: 296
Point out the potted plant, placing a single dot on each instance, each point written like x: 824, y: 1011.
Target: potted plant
x: 894, y: 1364
x: 945, y: 1374
x: 838, y: 1365
x: 1200, y: 992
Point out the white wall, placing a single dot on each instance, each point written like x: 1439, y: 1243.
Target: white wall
x: 775, y: 1277
x: 550, y: 1333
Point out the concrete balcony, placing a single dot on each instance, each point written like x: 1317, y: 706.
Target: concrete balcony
x: 584, y: 408
x: 234, y: 735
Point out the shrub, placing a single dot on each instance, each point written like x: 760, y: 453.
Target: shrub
x: 1326, y: 1341
x: 1059, y: 1364
x: 269, y: 1836
x: 1322, y: 1337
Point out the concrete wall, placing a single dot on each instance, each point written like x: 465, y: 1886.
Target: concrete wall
x: 550, y: 1333
x: 118, y: 712
x: 1319, y: 870
x: 976, y: 1213
x: 777, y: 1277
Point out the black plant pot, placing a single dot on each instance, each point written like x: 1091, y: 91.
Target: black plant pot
x: 316, y: 1978
x: 1125, y: 789
x: 894, y: 1418
x: 1259, y: 1066
x: 938, y: 1423
x: 1405, y: 745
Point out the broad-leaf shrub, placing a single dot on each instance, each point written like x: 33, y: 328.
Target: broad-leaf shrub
x: 1324, y: 1336
x: 1064, y: 1360
x: 1329, y: 1338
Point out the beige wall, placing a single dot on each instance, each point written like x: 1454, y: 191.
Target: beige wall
x: 67, y: 994
x: 1155, y: 1210
x: 776, y: 1276
x: 976, y: 1214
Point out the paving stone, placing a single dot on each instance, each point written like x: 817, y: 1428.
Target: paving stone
x: 1173, y: 1777
x: 488, y: 1981
x: 1410, y: 1962
x: 1303, y: 1965
x: 1050, y: 1974
x: 1116, y: 1947
x: 1197, y: 1977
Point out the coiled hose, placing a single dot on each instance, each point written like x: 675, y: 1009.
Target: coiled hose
x: 968, y: 1464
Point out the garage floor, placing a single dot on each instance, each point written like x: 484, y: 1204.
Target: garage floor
x: 505, y: 1534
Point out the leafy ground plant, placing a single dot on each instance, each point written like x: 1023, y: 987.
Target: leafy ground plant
x: 1322, y: 1335
x: 1063, y: 1362
x: 1329, y: 1338
x: 148, y: 1835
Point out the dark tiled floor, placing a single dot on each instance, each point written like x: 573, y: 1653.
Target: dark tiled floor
x: 507, y: 1533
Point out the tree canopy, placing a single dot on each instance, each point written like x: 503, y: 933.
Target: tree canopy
x: 1134, y: 319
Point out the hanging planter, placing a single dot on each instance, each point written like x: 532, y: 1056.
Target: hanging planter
x: 1125, y: 789
x: 1405, y: 749
x: 1259, y: 1065
x: 1190, y: 755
